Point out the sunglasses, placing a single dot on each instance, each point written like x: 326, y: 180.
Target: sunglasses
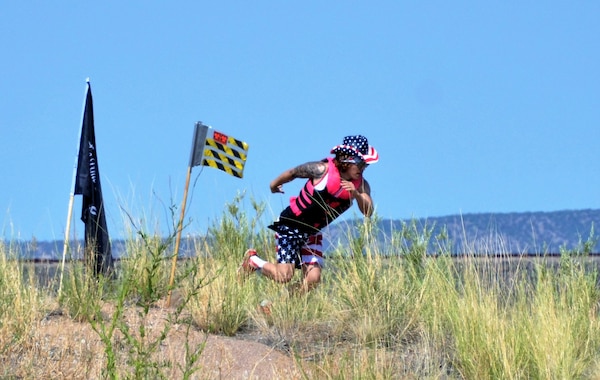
x: 356, y: 161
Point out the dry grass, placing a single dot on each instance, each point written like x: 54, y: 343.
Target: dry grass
x: 406, y: 315
x: 298, y: 337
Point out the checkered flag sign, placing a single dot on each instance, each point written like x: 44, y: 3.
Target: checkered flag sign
x: 218, y: 150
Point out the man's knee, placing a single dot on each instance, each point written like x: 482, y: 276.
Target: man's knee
x: 312, y: 274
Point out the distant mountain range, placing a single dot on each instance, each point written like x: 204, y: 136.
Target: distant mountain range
x: 486, y: 233
x: 502, y: 233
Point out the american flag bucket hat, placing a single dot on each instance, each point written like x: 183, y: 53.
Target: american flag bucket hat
x: 357, y: 146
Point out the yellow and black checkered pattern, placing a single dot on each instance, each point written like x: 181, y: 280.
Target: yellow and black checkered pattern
x: 229, y: 158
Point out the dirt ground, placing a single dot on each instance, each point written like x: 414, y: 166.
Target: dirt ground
x: 64, y: 348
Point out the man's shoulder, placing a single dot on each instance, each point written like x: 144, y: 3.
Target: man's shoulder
x: 312, y: 169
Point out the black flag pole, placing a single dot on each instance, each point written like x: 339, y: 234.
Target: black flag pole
x: 71, y: 197
x: 97, y: 251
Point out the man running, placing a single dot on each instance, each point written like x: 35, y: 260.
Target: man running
x: 331, y: 187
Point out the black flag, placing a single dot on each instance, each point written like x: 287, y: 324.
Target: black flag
x: 87, y: 183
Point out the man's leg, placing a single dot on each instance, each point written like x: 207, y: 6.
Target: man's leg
x: 312, y: 261
x: 289, y: 243
x: 278, y: 272
x: 312, y: 276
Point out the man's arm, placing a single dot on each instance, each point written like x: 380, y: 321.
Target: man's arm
x: 362, y: 196
x: 313, y: 170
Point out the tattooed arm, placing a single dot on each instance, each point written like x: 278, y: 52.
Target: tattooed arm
x: 313, y: 170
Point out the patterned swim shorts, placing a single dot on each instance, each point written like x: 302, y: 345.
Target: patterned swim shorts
x: 298, y: 247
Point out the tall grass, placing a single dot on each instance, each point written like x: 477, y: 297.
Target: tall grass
x: 382, y: 311
x: 22, y: 305
x: 541, y: 328
x: 21, y: 301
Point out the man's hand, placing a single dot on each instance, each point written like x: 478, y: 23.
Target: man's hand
x: 362, y: 196
x: 349, y: 187
x: 275, y: 188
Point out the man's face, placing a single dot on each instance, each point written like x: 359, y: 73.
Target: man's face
x: 354, y: 168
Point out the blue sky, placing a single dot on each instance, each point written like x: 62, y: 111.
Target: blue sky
x: 490, y: 106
